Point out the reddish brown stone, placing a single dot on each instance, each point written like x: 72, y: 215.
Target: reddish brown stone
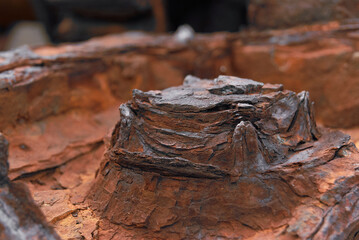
x: 20, y: 218
x: 37, y: 83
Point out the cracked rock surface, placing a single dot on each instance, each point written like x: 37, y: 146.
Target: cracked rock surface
x: 225, y: 158
x: 20, y: 218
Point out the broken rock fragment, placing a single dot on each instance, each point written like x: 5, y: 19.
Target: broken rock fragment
x: 20, y: 218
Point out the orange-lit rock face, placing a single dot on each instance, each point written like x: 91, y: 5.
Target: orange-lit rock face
x: 226, y: 158
x: 20, y: 218
x: 321, y: 59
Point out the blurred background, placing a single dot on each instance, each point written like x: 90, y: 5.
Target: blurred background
x: 37, y: 22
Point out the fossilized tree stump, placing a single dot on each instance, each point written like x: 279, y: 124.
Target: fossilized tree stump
x: 230, y: 158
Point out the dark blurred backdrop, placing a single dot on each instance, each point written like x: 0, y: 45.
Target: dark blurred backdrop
x: 55, y: 21
x: 77, y: 20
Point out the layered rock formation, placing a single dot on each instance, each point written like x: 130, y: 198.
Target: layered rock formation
x: 20, y: 218
x: 230, y: 158
x: 47, y: 81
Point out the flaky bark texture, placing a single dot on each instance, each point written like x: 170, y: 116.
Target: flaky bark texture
x: 230, y: 158
x: 20, y: 218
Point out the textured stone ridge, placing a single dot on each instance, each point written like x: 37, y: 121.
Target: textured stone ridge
x: 20, y: 218
x: 227, y: 158
x: 226, y: 127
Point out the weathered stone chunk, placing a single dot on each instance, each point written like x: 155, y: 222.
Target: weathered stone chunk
x: 248, y: 151
x: 225, y: 85
x: 20, y: 218
x: 199, y: 121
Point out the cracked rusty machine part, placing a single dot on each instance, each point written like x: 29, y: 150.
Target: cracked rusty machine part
x: 230, y: 158
x: 20, y: 218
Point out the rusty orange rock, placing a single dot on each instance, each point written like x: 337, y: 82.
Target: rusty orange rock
x: 20, y: 218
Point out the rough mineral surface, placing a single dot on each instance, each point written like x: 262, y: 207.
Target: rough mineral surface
x: 20, y: 218
x: 230, y: 158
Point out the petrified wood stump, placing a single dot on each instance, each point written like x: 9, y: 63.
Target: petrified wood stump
x: 229, y: 158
